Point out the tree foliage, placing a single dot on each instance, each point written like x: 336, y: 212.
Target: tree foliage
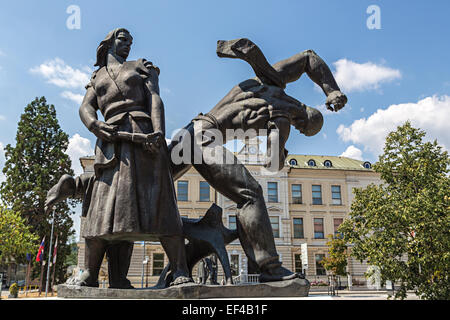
x: 15, y: 236
x: 336, y: 261
x: 31, y: 168
x: 402, y: 226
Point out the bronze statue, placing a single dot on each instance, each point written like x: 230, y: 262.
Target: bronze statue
x: 130, y: 141
x: 132, y: 195
x: 258, y: 103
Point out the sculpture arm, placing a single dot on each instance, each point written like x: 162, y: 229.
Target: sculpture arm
x: 285, y: 71
x: 88, y: 115
x: 156, y: 106
x: 291, y: 69
x: 88, y: 109
x: 157, y: 114
x: 278, y: 134
x: 308, y: 61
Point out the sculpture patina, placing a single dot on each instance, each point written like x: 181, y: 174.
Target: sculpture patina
x: 131, y: 197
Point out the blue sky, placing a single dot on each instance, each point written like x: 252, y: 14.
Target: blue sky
x: 392, y: 74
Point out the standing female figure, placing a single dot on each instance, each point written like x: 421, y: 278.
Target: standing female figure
x: 133, y: 196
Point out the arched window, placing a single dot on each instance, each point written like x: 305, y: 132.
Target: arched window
x: 367, y: 165
x: 327, y: 163
x: 293, y: 162
x: 311, y: 163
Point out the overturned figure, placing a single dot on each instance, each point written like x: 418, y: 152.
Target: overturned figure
x: 252, y: 105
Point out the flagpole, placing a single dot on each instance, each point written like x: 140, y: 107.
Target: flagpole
x: 49, y: 255
x: 40, y: 281
x: 54, y: 263
x: 39, y: 257
x: 53, y: 277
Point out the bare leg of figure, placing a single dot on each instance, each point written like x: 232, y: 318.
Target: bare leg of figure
x: 174, y: 247
x: 235, y: 182
x: 283, y: 72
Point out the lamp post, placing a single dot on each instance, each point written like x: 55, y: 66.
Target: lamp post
x: 49, y: 254
x: 146, y: 271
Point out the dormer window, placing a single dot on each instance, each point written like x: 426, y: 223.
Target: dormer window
x: 367, y: 165
x: 327, y: 163
x: 311, y: 163
x: 293, y: 162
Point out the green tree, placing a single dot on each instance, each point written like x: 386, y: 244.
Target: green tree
x: 402, y: 226
x: 336, y: 261
x: 31, y: 168
x: 15, y: 236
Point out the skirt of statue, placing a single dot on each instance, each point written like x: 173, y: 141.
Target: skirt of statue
x: 133, y: 196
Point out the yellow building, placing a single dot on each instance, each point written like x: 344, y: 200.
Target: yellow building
x: 306, y: 201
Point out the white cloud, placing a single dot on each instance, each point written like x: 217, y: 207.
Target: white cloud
x: 431, y: 114
x: 352, y: 76
x: 75, y: 97
x: 62, y: 75
x: 352, y: 152
x: 78, y: 147
x: 59, y: 73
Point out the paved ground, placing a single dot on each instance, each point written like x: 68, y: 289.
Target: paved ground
x: 345, y: 295
x: 360, y: 295
x: 342, y: 295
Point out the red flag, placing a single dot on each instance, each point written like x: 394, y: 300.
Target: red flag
x: 55, y: 250
x: 40, y: 253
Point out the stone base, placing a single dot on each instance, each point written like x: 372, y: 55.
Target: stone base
x: 288, y: 288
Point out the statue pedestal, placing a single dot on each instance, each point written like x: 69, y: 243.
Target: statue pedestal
x: 289, y: 288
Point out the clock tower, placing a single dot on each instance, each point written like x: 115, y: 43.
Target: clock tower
x: 251, y: 152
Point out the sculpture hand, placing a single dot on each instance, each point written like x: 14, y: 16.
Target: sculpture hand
x: 103, y: 130
x: 153, y: 142
x: 49, y: 202
x: 337, y: 99
x: 66, y: 187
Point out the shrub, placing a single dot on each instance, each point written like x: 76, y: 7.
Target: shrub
x: 14, y: 290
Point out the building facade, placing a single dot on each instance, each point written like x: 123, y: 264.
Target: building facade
x: 307, y: 200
